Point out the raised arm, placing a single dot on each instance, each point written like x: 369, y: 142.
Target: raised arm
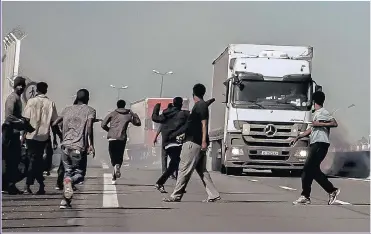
x: 156, y: 117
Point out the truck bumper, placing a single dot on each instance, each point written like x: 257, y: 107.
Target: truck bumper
x: 265, y: 165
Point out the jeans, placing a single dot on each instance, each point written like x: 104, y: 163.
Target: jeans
x: 72, y: 164
x: 312, y: 170
x: 35, y: 151
x: 116, y: 149
x: 174, y: 154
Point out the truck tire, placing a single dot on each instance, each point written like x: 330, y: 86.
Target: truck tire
x: 280, y: 172
x: 296, y: 173
x: 223, y: 170
x: 236, y: 171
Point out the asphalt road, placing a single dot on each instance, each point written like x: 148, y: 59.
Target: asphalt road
x: 253, y: 202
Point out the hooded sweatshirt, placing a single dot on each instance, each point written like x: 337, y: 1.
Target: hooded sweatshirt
x: 171, y: 119
x: 119, y: 121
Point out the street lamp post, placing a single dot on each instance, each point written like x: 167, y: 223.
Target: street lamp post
x: 119, y: 89
x: 162, y: 78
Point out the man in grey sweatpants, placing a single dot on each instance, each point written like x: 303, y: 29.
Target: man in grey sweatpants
x: 193, y: 155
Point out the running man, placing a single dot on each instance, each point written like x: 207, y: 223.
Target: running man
x: 171, y: 121
x: 193, y: 155
x: 119, y: 121
x: 78, y: 141
x: 319, y: 144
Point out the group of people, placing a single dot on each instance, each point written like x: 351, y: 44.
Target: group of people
x: 32, y: 127
x: 185, y: 140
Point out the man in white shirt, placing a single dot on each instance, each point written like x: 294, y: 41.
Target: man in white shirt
x: 42, y: 112
x: 319, y: 135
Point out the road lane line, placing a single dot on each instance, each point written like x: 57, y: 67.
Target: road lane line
x: 254, y: 180
x: 109, y: 192
x: 342, y: 202
x: 104, y: 165
x: 287, y: 188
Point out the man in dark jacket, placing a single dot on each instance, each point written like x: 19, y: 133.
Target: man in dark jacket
x: 13, y: 107
x: 10, y: 125
x: 119, y: 121
x: 172, y: 119
x: 163, y: 152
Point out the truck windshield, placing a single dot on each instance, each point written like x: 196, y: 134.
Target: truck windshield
x: 273, y: 95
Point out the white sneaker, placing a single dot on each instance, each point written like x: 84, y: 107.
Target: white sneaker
x: 113, y: 181
x: 302, y: 201
x: 333, y: 196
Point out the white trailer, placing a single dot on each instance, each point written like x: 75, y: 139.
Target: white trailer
x: 263, y: 95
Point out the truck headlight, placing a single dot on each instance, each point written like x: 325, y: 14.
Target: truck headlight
x: 237, y: 151
x: 301, y: 153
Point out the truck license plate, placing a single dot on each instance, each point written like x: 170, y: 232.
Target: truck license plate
x: 269, y: 153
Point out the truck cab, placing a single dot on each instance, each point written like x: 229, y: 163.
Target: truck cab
x: 268, y: 102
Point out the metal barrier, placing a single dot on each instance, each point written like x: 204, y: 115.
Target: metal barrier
x: 354, y: 164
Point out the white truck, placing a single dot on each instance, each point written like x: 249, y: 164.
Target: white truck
x: 267, y: 92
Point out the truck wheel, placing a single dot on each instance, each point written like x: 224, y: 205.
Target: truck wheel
x: 223, y: 170
x: 296, y: 173
x: 281, y: 172
x: 234, y: 171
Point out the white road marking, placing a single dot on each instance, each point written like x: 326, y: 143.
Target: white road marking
x: 342, y: 202
x: 254, y: 180
x: 104, y: 165
x: 357, y: 179
x: 287, y: 188
x: 109, y: 192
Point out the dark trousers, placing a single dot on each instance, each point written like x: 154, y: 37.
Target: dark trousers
x: 116, y: 151
x: 83, y: 164
x: 35, y: 151
x: 312, y: 170
x: 48, y: 161
x: 60, y: 173
x: 163, y: 159
x: 12, y: 155
x: 72, y: 164
x: 174, y: 154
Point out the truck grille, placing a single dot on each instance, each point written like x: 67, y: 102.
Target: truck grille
x: 276, y: 138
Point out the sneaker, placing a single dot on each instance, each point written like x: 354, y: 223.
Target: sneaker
x: 117, y: 171
x: 27, y: 191
x: 212, y: 199
x: 302, y: 201
x: 160, y: 188
x: 65, y: 204
x: 113, y: 181
x: 68, y: 190
x: 170, y: 199
x: 333, y: 196
x: 57, y: 187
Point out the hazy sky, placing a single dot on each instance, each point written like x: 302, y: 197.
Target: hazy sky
x: 74, y: 45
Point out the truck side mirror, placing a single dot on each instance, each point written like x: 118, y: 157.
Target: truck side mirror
x: 318, y: 88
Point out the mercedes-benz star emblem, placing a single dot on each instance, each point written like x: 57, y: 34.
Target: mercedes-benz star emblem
x: 270, y: 130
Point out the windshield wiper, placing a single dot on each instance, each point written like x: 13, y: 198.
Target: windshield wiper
x: 256, y: 103
x: 288, y: 103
